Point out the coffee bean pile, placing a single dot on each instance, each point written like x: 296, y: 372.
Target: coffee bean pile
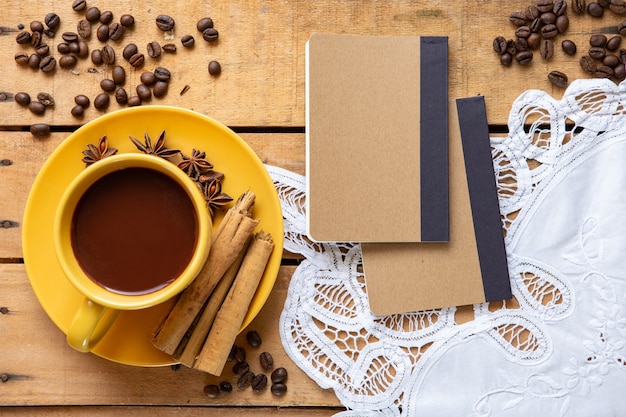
x: 245, y: 377
x: 110, y: 33
x: 538, y: 27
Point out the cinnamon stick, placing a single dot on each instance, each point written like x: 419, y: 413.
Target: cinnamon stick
x: 228, y: 242
x: 217, y: 346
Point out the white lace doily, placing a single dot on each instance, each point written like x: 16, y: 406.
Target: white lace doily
x: 559, y: 349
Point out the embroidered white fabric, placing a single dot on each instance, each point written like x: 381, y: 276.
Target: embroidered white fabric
x: 557, y: 349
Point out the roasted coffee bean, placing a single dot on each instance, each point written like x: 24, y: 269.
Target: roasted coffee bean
x: 216, y: 69
x: 559, y: 7
x: 279, y: 375
x: 129, y: 50
x: 598, y: 40
x: 522, y: 32
x: 536, y: 25
x: 510, y: 47
x: 521, y: 44
x: 225, y: 386
x: 108, y: 55
x: 101, y: 102
x: 621, y: 28
x: 40, y: 129
x: 63, y: 48
x: 79, y: 5
x: 562, y: 23
x: 21, y: 58
x: 259, y: 383
x: 82, y: 100
x: 279, y: 389
x: 107, y: 85
x: 569, y: 47
x: 42, y: 50
x: 92, y: 14
x: 499, y: 45
x: 549, y: 31
x: 127, y: 20
x: 579, y: 6
x: 47, y: 64
x: 36, y: 26
x: 533, y: 40
x: 610, y: 60
x: 134, y: 101
x: 169, y: 48
x: 597, y: 52
x: 595, y: 10
x: 547, y: 18
x: 106, y: 17
x: 622, y: 56
x: 78, y: 111
x: 49, y: 32
x: 162, y: 74
x: 34, y: 60
x: 165, y: 22
x: 233, y: 350
x: 119, y: 75
x: 144, y: 92
x: 240, y: 353
x: 36, y: 107
x: 70, y: 37
x: 547, y: 49
x: 517, y: 18
x: 103, y: 33
x: 253, y: 338
x: 604, y: 3
x: 83, y: 28
x: 160, y: 89
x: 524, y: 57
x: 558, y: 78
x: 67, y: 61
x: 210, y: 35
x: 266, y: 360
x: 532, y: 12
x: 619, y: 72
x: 52, y: 21
x: 96, y: 57
x: 154, y: 49
x: 121, y: 96
x: 35, y: 39
x: 23, y: 38
x: 187, y: 41
x: 211, y: 391
x: 545, y: 5
x: 588, y: 64
x: 137, y: 60
x: 74, y: 47
x: 83, y: 49
x: 604, y: 72
x: 204, y: 23
x: 506, y: 59
x: 22, y: 98
x: 241, y: 368
x: 614, y: 43
x: 148, y: 78
x: 618, y: 6
x: 116, y: 31
x: 245, y: 380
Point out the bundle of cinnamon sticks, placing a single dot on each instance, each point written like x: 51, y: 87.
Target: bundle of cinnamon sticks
x: 202, y: 325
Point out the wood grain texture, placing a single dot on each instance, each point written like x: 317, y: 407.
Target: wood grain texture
x: 173, y: 411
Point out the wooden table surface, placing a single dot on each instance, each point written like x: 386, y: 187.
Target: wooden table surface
x: 260, y: 94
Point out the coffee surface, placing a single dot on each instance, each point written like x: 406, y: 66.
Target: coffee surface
x: 134, y: 231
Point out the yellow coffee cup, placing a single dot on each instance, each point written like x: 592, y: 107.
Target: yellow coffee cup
x: 130, y: 232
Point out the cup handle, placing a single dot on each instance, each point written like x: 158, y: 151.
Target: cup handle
x: 89, y: 325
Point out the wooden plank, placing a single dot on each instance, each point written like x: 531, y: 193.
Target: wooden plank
x: 43, y: 370
x: 26, y: 155
x: 261, y: 49
x: 110, y: 411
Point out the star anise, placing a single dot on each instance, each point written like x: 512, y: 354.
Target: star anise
x: 158, y: 149
x: 95, y: 153
x: 209, y: 176
x: 196, y: 164
x: 214, y: 196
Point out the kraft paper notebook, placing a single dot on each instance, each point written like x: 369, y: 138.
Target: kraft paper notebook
x: 472, y: 267
x: 377, y: 140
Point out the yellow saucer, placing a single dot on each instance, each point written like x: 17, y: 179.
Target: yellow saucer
x: 128, y: 342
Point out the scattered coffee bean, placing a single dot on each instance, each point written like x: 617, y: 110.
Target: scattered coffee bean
x: 245, y: 380
x: 169, y: 48
x: 107, y: 85
x: 21, y: 58
x: 108, y: 55
x: 134, y: 101
x: 562, y: 23
x: 96, y: 57
x: 524, y: 57
x: 154, y: 49
x: 121, y: 96
x: 70, y: 37
x: 78, y: 111
x: 162, y: 74
x: 148, y: 78
x: 40, y: 129
x: 610, y: 60
x: 266, y: 360
x: 129, y: 50
x: 33, y: 61
x: 165, y: 22
x: 547, y: 18
x: 279, y: 375
x: 558, y: 78
x: 74, y: 47
x: 116, y: 31
x: 579, y: 6
x: 545, y: 5
x: 67, y: 61
x: 160, y: 89
x: 106, y: 17
x: 619, y: 72
x: 52, y: 21
x: 35, y: 39
x: 499, y: 45
x: 92, y: 14
x: 279, y: 389
x: 549, y: 31
x: 204, y: 24
x: 127, y: 20
x: 210, y: 35
x: 22, y: 98
x: 547, y: 49
x: 588, y: 64
x: 42, y: 50
x: 598, y: 40
x: 187, y: 41
x: 241, y: 368
x: 568, y: 47
x: 49, y: 32
x: 253, y: 338
x: 559, y: 7
x: 63, y: 48
x: 101, y: 102
x: 215, y: 68
x: 595, y: 10
x: 119, y: 75
x: 518, y: 18
x: 225, y: 386
x: 79, y: 5
x: 597, y: 52
x: 83, y: 49
x: 47, y: 64
x: 506, y: 59
x: 604, y: 72
x: 531, y: 12
x: 523, y: 32
x: 36, y: 26
x: 82, y: 100
x: 36, y: 107
x: 23, y: 38
x: 144, y: 93
x: 259, y: 382
x: 614, y: 43
x: 103, y: 33
x: 211, y: 391
x: 137, y: 60
x: 617, y: 6
x: 46, y: 99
